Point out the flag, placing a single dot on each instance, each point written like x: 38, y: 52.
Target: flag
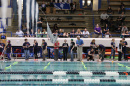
x: 53, y: 38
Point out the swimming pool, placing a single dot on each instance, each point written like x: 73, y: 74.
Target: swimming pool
x: 64, y: 74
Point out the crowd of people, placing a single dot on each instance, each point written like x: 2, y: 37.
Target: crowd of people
x: 90, y: 55
x: 119, y: 25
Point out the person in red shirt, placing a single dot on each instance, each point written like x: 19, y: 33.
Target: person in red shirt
x: 56, y: 50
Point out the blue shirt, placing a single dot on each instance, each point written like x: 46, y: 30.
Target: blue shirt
x: 79, y: 42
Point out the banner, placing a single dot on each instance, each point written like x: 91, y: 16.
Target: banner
x: 20, y: 12
x: 28, y: 14
x: 4, y: 11
x: 62, y: 5
x: 36, y: 15
x: 33, y: 2
x: 50, y: 35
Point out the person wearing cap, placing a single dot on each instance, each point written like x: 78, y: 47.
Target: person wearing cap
x: 79, y: 43
x: 65, y: 49
x: 72, y: 45
x: 44, y: 48
x: 2, y: 47
x: 8, y: 50
x: 26, y: 46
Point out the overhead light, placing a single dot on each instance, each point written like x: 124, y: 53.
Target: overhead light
x: 83, y: 2
x: 88, y: 2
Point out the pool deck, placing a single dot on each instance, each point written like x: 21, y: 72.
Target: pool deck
x: 52, y: 60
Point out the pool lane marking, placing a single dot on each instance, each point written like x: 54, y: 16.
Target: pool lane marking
x: 84, y: 65
x: 47, y: 66
x: 11, y: 65
x: 123, y: 65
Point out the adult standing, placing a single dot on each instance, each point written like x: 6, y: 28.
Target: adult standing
x: 2, y: 47
x: 44, y: 48
x: 79, y: 43
x: 56, y: 50
x: 39, y: 24
x: 72, y: 45
x: 65, y: 49
x: 120, y: 51
x: 8, y: 50
x: 35, y: 49
x: 113, y: 49
x: 124, y: 43
x: 26, y: 46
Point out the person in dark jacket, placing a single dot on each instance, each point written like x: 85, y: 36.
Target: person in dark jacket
x: 8, y: 50
x: 35, y: 49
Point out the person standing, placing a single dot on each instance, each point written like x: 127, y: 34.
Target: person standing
x: 35, y: 49
x: 113, y: 49
x: 44, y: 48
x: 120, y: 51
x: 72, y: 45
x: 2, y: 47
x: 8, y: 50
x: 26, y: 46
x: 124, y: 43
x: 56, y: 50
x: 39, y: 24
x: 79, y: 43
x: 65, y: 49
x: 101, y: 49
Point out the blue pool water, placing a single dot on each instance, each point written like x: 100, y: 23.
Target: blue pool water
x: 64, y: 74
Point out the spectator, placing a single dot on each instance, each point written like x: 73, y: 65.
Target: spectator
x: 125, y: 34
x: 122, y: 18
x: 79, y: 33
x: 44, y: 33
x: 44, y: 7
x: 110, y: 11
x: 55, y: 27
x: 65, y: 50
x: 113, y: 49
x: 120, y: 51
x: 26, y: 46
x: 79, y: 43
x: 118, y: 30
x: 91, y: 55
x: 106, y: 29
x: 51, y: 6
x: 65, y: 35
x: 55, y: 33
x: 8, y: 50
x: 72, y: 34
x: 124, y: 45
x: 124, y: 29
x: 97, y: 31
x: 39, y: 24
x: 72, y: 46
x: 35, y: 50
x: 121, y: 10
x: 19, y: 33
x: 56, y: 50
x: 107, y: 34
x: 38, y: 33
x: 44, y: 48
x: 32, y: 33
x: 111, y: 25
x: 73, y: 8
x: 60, y: 33
x: 85, y: 33
x: 101, y: 51
x: 104, y: 18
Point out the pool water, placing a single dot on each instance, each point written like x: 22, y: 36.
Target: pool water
x: 64, y: 74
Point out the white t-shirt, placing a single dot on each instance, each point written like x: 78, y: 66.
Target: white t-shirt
x: 20, y: 33
x: 85, y: 33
